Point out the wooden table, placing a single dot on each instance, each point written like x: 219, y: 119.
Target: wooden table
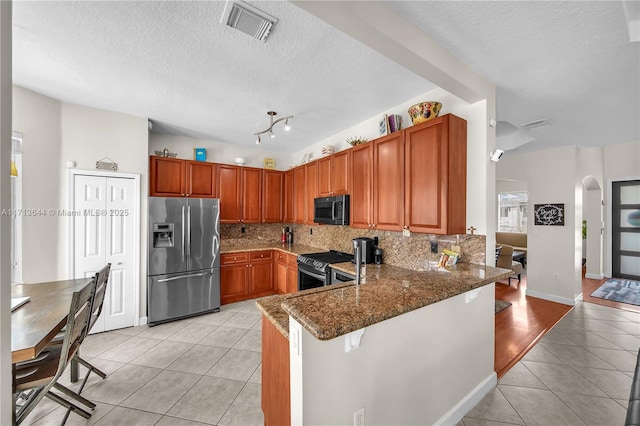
x: 36, y: 323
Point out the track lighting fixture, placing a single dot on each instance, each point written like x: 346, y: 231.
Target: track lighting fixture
x: 272, y: 123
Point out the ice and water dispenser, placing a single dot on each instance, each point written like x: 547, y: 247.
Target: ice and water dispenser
x: 162, y: 235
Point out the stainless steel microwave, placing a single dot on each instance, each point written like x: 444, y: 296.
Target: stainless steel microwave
x: 331, y: 210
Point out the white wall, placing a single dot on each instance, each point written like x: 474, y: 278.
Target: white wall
x: 424, y: 367
x: 89, y: 135
x: 217, y: 152
x: 38, y: 118
x: 551, y: 177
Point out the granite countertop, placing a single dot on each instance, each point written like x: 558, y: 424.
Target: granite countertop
x: 388, y: 291
x: 244, y: 245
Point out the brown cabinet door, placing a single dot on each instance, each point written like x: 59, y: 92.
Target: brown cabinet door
x: 166, y: 177
x: 200, y: 179
x: 388, y: 182
x: 292, y: 274
x: 324, y: 177
x: 281, y: 276
x: 261, y: 278
x: 229, y: 193
x: 311, y: 175
x: 340, y: 172
x: 288, y: 197
x: 234, y: 283
x: 251, y: 195
x: 435, y: 176
x: 299, y: 199
x: 272, y: 196
x: 361, y: 204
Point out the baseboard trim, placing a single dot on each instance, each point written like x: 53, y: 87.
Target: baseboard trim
x: 594, y: 276
x: 579, y: 298
x: 453, y: 416
x: 142, y: 321
x: 551, y: 297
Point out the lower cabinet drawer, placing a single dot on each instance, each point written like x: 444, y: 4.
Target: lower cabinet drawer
x: 232, y: 258
x: 262, y: 255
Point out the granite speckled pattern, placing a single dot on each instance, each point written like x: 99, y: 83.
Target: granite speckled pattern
x: 271, y: 307
x: 335, y: 311
x: 244, y: 245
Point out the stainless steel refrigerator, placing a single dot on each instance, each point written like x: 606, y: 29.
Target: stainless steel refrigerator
x: 184, y: 258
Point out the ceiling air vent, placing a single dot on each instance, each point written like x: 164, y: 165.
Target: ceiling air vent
x: 536, y: 124
x: 248, y: 19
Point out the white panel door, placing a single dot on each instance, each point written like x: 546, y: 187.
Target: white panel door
x: 108, y: 229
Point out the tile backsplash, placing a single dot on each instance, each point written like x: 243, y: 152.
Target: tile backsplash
x: 411, y: 252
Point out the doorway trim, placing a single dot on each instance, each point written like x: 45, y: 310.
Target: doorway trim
x: 609, y: 245
x: 136, y: 227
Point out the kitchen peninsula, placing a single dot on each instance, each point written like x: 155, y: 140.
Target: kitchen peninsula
x: 408, y: 347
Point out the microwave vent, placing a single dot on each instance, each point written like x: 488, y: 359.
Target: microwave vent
x: 248, y: 19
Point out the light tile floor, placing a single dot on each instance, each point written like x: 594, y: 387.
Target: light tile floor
x: 578, y: 374
x: 207, y: 370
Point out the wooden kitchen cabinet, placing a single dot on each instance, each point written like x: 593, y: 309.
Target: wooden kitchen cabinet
x: 311, y: 188
x: 286, y: 272
x: 261, y: 273
x: 234, y: 277
x: 275, y: 393
x: 436, y: 176
x: 361, y: 204
x: 333, y: 174
x: 288, y: 203
x: 173, y: 177
x: 299, y: 198
x: 240, y: 192
x: 388, y: 182
x: 273, y: 197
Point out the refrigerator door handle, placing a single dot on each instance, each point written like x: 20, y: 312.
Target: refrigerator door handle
x: 188, y: 235
x: 216, y: 236
x: 183, y: 245
x: 180, y: 277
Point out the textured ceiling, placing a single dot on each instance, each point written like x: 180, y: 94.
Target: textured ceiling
x: 175, y: 63
x: 569, y: 62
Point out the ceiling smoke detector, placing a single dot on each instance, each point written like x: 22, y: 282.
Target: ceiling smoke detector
x: 248, y: 19
x: 536, y: 124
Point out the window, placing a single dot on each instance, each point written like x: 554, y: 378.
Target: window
x: 512, y: 211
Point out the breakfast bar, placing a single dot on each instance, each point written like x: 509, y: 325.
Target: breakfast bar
x: 385, y: 348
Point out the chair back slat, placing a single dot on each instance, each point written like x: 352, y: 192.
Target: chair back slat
x: 102, y: 278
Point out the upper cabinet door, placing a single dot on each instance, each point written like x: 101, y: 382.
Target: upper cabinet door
x: 361, y: 204
x: 229, y: 193
x: 251, y: 195
x: 288, y: 204
x: 340, y: 172
x: 272, y: 196
x: 435, y: 183
x: 167, y: 177
x: 324, y: 177
x: 388, y: 182
x: 200, y: 179
x: 311, y: 176
x: 299, y: 197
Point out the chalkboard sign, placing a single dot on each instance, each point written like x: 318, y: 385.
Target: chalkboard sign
x: 549, y: 214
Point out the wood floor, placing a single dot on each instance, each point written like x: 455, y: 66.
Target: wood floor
x: 522, y: 325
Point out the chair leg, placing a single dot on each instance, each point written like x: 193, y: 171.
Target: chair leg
x: 91, y: 367
x: 74, y: 395
x: 52, y: 396
x: 30, y: 403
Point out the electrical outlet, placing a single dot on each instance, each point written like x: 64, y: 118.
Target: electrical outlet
x: 242, y: 230
x: 310, y: 231
x: 406, y: 232
x: 434, y: 246
x: 358, y: 417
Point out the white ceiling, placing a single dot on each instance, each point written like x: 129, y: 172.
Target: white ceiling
x: 568, y: 62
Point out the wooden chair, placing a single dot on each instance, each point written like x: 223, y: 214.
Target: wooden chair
x: 505, y: 260
x: 35, y: 379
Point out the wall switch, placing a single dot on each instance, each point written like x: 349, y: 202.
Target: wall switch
x: 434, y: 246
x: 358, y: 417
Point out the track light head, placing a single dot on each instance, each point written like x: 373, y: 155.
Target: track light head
x: 258, y: 141
x: 286, y: 125
x: 496, y: 155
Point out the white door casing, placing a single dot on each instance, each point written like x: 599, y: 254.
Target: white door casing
x: 106, y: 230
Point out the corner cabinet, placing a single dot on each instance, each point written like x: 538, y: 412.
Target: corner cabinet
x: 173, y: 177
x: 436, y: 176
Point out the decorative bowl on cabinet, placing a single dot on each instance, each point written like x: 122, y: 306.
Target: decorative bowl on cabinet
x: 424, y: 111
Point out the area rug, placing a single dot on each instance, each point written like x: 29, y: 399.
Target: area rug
x: 501, y: 305
x: 620, y: 290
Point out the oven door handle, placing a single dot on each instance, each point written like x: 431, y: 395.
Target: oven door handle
x: 316, y: 276
x: 333, y: 210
